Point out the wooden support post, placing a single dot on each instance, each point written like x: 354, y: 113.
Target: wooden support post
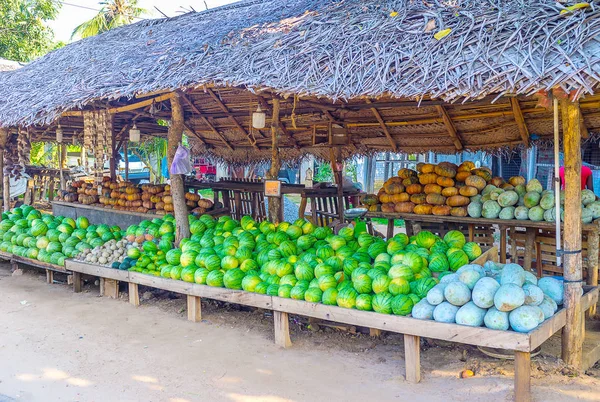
x: 503, y: 245
x: 50, y: 189
x: 412, y: 358
x: 6, y: 192
x: 336, y: 162
x: 77, y: 282
x: 182, y: 225
x: 282, y: 329
x: 3, y: 140
x: 471, y: 227
x: 374, y: 332
x: 111, y: 288
x: 529, y: 248
x: 572, y: 339
x: 63, y: 163
x: 275, y: 203
x: 390, y: 228
x: 49, y: 276
x: 592, y: 262
x: 194, y: 308
x: 522, y: 377
x: 134, y: 295
x: 126, y: 156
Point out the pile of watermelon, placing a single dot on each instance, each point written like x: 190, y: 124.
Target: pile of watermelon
x: 304, y: 262
x: 497, y: 296
x: 27, y: 232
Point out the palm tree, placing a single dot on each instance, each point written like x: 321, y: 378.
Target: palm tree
x: 114, y: 13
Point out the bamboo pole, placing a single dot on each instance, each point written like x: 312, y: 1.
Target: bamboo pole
x: 182, y: 225
x: 3, y: 140
x: 63, y: 157
x: 557, y: 182
x: 275, y: 203
x: 572, y: 337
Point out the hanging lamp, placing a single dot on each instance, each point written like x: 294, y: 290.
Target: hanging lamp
x: 259, y: 118
x: 134, y: 134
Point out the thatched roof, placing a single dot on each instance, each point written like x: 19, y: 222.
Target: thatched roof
x: 334, y: 55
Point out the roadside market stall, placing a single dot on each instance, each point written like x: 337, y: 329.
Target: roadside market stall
x: 258, y: 86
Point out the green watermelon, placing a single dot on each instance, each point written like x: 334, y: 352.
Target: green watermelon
x: 402, y: 305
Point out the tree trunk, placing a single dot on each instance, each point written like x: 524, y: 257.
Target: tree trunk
x: 177, y: 187
x: 63, y: 162
x: 572, y: 338
x: 275, y: 212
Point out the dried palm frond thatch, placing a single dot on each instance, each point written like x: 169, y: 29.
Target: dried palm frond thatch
x: 342, y: 49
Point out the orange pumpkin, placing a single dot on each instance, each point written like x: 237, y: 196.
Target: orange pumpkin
x: 435, y: 199
x: 458, y: 201
x: 445, y: 181
x: 387, y: 207
x: 462, y: 176
x: 423, y: 209
x: 449, y: 191
x: 418, y: 198
x: 476, y: 181
x: 402, y: 197
x: 427, y: 168
x: 441, y: 210
x: 394, y: 188
x: 446, y: 169
x: 414, y: 189
x: 468, y: 191
x: 459, y: 211
x: 404, y: 207
x: 192, y: 197
x: 406, y: 173
x: 507, y: 186
x: 432, y: 189
x: 466, y: 166
x: 497, y: 181
x: 428, y: 178
x: 410, y: 180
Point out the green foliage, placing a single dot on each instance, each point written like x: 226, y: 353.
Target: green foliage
x: 43, y: 154
x: 324, y: 173
x: 113, y: 14
x: 23, y: 31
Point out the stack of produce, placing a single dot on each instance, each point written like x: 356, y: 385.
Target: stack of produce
x: 497, y: 296
x: 82, y: 192
x: 127, y: 196
x: 443, y: 189
x: 527, y: 201
x: 302, y: 262
x: 28, y: 233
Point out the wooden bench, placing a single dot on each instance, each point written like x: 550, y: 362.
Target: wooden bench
x: 521, y: 343
x: 50, y: 269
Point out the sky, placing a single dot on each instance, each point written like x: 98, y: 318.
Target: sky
x: 74, y: 12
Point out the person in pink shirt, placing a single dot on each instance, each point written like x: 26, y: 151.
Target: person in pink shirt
x: 587, y: 180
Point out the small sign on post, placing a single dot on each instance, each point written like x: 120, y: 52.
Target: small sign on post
x: 272, y: 188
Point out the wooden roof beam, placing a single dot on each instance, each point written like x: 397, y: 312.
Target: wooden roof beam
x: 191, y: 130
x: 450, y: 127
x: 385, y: 129
x: 518, y: 115
x: 205, y: 121
x: 226, y: 110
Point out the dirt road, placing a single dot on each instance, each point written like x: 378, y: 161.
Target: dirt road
x: 56, y: 345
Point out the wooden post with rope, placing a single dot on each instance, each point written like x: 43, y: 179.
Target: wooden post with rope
x: 175, y: 135
x: 572, y: 336
x: 3, y: 140
x: 275, y: 212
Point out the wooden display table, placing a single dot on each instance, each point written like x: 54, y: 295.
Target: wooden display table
x: 521, y: 343
x: 109, y: 216
x: 50, y: 269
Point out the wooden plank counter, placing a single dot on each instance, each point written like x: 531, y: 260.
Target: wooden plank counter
x: 521, y: 343
x: 109, y: 216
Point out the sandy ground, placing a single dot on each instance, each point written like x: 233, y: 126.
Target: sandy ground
x: 56, y: 345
